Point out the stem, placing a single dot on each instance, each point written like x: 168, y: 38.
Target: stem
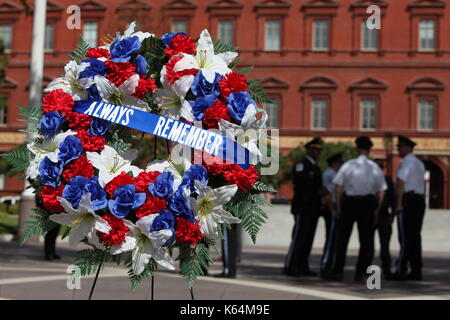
x: 153, y: 287
x: 154, y: 149
x: 191, y: 290
x: 96, y: 275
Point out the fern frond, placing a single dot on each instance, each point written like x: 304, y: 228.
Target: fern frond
x: 79, y: 53
x: 18, y: 158
x: 39, y: 224
x: 222, y: 47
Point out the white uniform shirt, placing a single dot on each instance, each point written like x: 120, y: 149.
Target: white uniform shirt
x: 360, y: 177
x: 412, y: 173
x: 327, y: 181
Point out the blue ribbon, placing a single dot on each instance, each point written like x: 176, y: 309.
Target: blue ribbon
x: 194, y: 137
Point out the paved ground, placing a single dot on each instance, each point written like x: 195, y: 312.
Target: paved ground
x: 25, y: 275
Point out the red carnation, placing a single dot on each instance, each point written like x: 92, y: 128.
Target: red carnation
x: 79, y: 167
x: 187, y: 232
x: 243, y: 178
x: 49, y: 199
x: 144, y: 86
x: 151, y: 205
x: 118, y: 231
x: 173, y: 75
x: 98, y: 53
x: 119, y: 72
x: 78, y: 121
x: 180, y: 43
x: 144, y: 179
x: 232, y: 82
x: 214, y: 113
x: 57, y: 100
x: 90, y: 143
x: 118, y: 181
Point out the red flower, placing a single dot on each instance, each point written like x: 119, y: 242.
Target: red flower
x: 98, y: 53
x: 118, y: 181
x: 214, y: 113
x: 243, y: 178
x: 117, y: 73
x: 151, y: 205
x: 90, y: 143
x: 79, y: 167
x: 57, y: 100
x: 173, y: 75
x: 144, y: 86
x: 118, y: 231
x: 180, y: 43
x: 78, y: 121
x: 49, y: 199
x: 144, y: 179
x: 232, y: 82
x: 187, y: 232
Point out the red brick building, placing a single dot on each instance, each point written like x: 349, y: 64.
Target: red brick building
x: 328, y: 73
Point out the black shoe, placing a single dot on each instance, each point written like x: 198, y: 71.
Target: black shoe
x: 290, y: 273
x: 56, y: 257
x: 225, y: 275
x: 398, y: 277
x: 414, y: 276
x: 307, y: 273
x: 48, y: 257
x: 335, y: 276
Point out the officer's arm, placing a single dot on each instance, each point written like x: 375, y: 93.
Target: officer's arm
x: 399, y: 194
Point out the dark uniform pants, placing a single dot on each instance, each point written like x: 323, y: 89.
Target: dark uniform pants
x: 302, y: 240
x: 410, y: 226
x: 360, y: 210
x: 384, y: 228
x: 50, y: 241
x: 230, y: 249
x: 329, y: 248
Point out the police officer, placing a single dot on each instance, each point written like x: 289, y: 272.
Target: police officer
x: 230, y: 247
x: 329, y: 212
x: 410, y: 210
x: 306, y: 206
x: 384, y: 227
x: 358, y: 183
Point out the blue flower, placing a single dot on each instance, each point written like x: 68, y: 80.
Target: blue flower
x: 179, y: 207
x: 141, y: 65
x: 163, y: 185
x: 50, y: 172
x: 201, y: 87
x: 167, y: 37
x: 93, y: 93
x: 70, y: 149
x: 74, y: 190
x: 164, y: 221
x: 79, y: 186
x: 125, y: 200
x: 196, y: 172
x: 96, y: 67
x: 122, y: 49
x: 200, y: 105
x: 237, y: 104
x: 51, y: 123
x: 99, y: 127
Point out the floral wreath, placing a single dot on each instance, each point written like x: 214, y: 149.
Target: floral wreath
x: 82, y: 167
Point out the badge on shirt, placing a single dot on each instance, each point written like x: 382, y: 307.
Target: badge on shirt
x: 299, y: 167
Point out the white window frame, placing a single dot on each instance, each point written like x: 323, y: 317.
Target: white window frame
x: 175, y: 28
x: 316, y: 24
x: 11, y: 36
x: 270, y: 29
x: 4, y: 115
x: 323, y: 113
x: 370, y: 33
x: 88, y: 39
x: 427, y: 103
x: 49, y: 41
x: 273, y: 113
x: 428, y: 29
x: 362, y: 110
x: 226, y: 26
x: 2, y: 181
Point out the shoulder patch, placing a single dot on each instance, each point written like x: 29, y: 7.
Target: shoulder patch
x: 299, y: 167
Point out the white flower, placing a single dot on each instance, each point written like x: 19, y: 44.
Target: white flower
x: 208, y: 207
x: 82, y: 221
x: 150, y: 245
x: 110, y: 164
x: 172, y: 104
x: 130, y: 32
x: 123, y: 95
x: 47, y: 148
x: 71, y: 83
x: 175, y: 168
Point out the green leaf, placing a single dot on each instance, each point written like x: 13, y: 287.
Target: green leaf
x: 258, y: 94
x: 261, y: 187
x: 117, y: 142
x: 79, y: 53
x: 19, y: 158
x: 246, y: 71
x: 148, y: 272
x: 31, y: 115
x: 39, y: 224
x: 193, y: 262
x: 222, y: 47
x: 89, y: 259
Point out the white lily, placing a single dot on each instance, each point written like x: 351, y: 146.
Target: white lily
x: 172, y: 104
x: 149, y: 245
x: 131, y: 32
x: 122, y: 95
x: 70, y: 82
x: 208, y: 207
x: 82, y: 221
x: 110, y: 164
x: 47, y: 148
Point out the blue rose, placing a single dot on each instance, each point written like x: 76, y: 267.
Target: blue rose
x: 122, y: 49
x: 124, y: 200
x: 196, y: 172
x: 179, y: 207
x: 201, y: 87
x: 74, y: 190
x: 70, y: 149
x: 99, y: 127
x: 141, y: 65
x: 200, y: 105
x: 167, y: 37
x: 163, y: 185
x: 98, y: 195
x: 164, y: 221
x: 96, y: 67
x: 50, y: 172
x: 93, y: 93
x: 237, y: 104
x: 51, y: 123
